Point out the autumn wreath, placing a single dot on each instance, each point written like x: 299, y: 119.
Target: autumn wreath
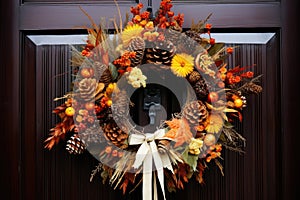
x: 95, y: 115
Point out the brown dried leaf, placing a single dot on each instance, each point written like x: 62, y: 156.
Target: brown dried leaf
x: 124, y: 186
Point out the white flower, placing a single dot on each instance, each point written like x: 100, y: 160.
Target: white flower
x: 136, y: 78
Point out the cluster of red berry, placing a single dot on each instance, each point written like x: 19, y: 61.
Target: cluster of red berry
x: 124, y: 62
x: 87, y: 51
x: 165, y: 17
x: 235, y: 75
x: 140, y: 18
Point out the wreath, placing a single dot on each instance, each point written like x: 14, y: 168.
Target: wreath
x: 96, y: 114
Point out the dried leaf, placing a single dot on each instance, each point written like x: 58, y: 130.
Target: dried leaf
x: 174, y: 123
x: 199, y: 173
x: 216, y: 49
x: 190, y: 159
x: 124, y: 186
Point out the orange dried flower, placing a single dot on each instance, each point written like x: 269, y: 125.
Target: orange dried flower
x: 124, y: 61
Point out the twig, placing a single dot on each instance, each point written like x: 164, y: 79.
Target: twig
x: 95, y: 171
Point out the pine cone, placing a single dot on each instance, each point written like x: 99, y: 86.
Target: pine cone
x: 161, y: 53
x: 173, y: 34
x: 104, y: 116
x: 187, y: 45
x: 251, y: 87
x: 114, y: 134
x: 75, y: 145
x: 194, y: 77
x: 106, y: 77
x: 163, y: 146
x: 194, y: 35
x: 137, y: 45
x: 201, y: 88
x: 120, y: 106
x: 92, y: 135
x: 195, y: 113
x: 102, y: 73
x: 90, y: 89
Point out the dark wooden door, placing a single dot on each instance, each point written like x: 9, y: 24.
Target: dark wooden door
x: 31, y: 78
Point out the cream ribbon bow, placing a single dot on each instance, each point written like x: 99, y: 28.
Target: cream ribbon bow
x: 145, y: 155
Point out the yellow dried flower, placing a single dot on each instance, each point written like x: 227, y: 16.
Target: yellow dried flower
x: 130, y: 32
x: 150, y: 36
x: 195, y: 145
x: 182, y: 64
x: 215, y: 123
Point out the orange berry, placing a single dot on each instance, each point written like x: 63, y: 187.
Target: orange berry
x: 79, y: 118
x: 170, y: 14
x: 218, y: 148
x: 208, y: 159
x: 120, y: 154
x: 229, y: 50
x: 83, y: 112
x: 137, y: 18
x: 114, y: 153
x: 90, y: 106
x: 238, y: 103
x: 70, y: 111
x: 221, y: 84
x: 237, y: 79
x: 208, y: 26
x: 108, y: 150
x: 108, y: 102
x: 213, y: 97
x: 223, y: 77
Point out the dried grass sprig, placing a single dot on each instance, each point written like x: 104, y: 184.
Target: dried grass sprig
x: 96, y: 171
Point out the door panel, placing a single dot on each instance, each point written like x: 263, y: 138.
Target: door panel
x: 57, y: 175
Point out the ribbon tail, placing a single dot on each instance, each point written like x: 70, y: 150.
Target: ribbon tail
x: 147, y: 177
x: 159, y: 166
